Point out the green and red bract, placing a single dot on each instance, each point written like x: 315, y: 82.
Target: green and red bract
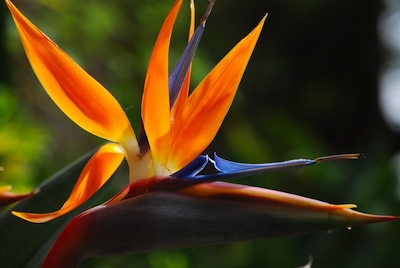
x: 162, y: 214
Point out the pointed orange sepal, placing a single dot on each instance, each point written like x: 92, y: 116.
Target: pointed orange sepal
x: 74, y: 91
x: 155, y: 101
x: 96, y: 172
x: 202, y: 114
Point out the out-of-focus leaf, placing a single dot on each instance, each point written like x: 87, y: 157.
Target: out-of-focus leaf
x: 24, y: 244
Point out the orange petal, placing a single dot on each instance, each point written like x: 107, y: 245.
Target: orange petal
x: 184, y: 93
x: 96, y: 172
x: 155, y: 102
x: 202, y: 114
x: 74, y: 91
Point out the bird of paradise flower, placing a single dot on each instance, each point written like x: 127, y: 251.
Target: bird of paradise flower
x: 166, y: 187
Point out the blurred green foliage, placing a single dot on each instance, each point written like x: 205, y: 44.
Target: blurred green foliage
x: 310, y: 89
x: 23, y: 144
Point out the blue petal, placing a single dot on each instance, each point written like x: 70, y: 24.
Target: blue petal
x: 228, y: 169
x: 226, y: 166
x: 179, y: 72
x: 193, y: 168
